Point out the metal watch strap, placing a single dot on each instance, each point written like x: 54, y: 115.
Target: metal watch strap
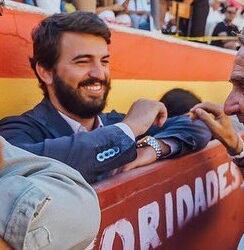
x: 154, y: 143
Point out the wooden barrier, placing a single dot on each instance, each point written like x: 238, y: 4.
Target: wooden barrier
x: 194, y: 202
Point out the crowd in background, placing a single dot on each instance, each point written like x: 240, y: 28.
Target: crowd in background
x: 193, y: 18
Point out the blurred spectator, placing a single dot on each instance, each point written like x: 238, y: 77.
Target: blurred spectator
x: 214, y: 17
x: 112, y: 6
x: 227, y: 28
x: 49, y: 6
x: 85, y: 5
x: 179, y: 101
x: 139, y: 11
x: 113, y: 12
x: 239, y: 19
x: 195, y: 25
x: 68, y: 6
x: 236, y: 3
x: 164, y: 11
x: 200, y: 9
x: 169, y: 24
x: 170, y: 28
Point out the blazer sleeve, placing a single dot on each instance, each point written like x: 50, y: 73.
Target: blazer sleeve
x: 91, y: 153
x: 189, y: 135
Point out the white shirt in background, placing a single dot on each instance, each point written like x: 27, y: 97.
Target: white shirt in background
x: 214, y: 17
x: 51, y: 7
x: 239, y: 20
x: 142, y: 5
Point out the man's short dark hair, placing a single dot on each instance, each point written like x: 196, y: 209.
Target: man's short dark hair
x: 179, y: 101
x: 47, y: 35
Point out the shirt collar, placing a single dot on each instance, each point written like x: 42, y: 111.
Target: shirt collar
x: 77, y: 127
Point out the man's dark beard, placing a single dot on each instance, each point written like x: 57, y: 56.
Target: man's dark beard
x: 73, y: 102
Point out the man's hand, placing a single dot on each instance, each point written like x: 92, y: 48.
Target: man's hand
x: 220, y: 125
x: 143, y: 114
x: 145, y: 156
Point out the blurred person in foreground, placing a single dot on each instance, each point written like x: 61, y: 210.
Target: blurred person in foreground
x: 227, y: 29
x: 45, y: 204
x: 217, y: 118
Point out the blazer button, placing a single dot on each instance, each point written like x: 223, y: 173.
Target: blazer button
x: 117, y: 150
x: 100, y: 157
x: 106, y: 154
x: 111, y: 152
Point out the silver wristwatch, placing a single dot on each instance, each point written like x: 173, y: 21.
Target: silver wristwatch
x: 151, y: 141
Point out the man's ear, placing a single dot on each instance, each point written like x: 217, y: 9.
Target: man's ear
x: 44, y: 74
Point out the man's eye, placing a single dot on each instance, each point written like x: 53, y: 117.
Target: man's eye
x: 105, y: 61
x: 81, y: 62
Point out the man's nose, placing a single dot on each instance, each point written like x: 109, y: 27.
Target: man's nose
x: 97, y: 71
x: 231, y: 105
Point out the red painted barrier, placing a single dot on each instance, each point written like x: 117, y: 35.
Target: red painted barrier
x: 194, y: 202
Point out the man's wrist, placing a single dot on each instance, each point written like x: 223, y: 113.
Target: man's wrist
x: 165, y: 148
x: 238, y: 159
x: 240, y: 152
x: 235, y: 147
x: 161, y: 148
x: 152, y: 142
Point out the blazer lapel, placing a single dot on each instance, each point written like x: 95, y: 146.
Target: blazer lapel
x: 47, y: 115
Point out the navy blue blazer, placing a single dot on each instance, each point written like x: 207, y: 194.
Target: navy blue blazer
x: 43, y: 131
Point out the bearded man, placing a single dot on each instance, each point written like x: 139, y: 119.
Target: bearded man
x: 71, y: 62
